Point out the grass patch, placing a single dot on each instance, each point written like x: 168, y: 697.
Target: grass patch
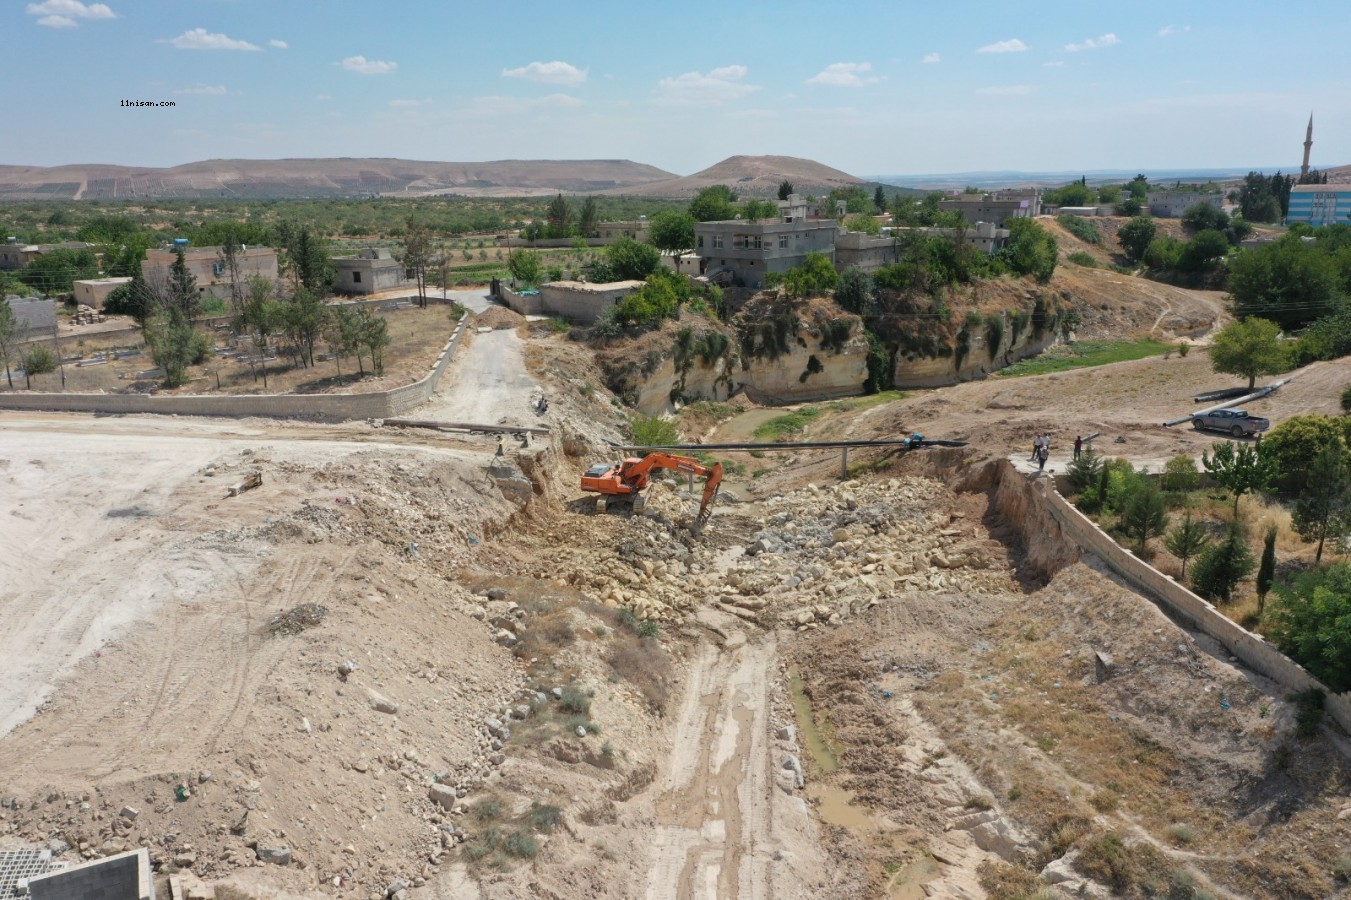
x: 760, y: 473
x: 1085, y: 354
x: 521, y: 844
x: 783, y: 427
x: 544, y: 817
x: 868, y: 401
x: 653, y: 431
x: 1080, y: 258
x: 488, y: 809
x: 575, y: 701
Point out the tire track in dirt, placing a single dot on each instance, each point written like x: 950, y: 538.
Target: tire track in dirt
x: 712, y: 801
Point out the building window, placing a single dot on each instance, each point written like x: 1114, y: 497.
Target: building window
x: 783, y: 242
x: 717, y: 242
x: 757, y: 243
x: 218, y: 268
x: 356, y: 278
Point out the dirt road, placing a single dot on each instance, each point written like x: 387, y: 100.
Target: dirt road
x: 487, y: 383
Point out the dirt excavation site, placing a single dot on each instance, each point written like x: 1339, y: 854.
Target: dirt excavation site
x: 415, y: 665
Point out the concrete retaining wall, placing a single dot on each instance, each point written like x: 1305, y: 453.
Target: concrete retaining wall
x: 525, y: 304
x: 1182, y: 604
x: 331, y: 407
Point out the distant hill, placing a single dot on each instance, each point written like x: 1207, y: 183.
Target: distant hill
x: 750, y: 176
x: 323, y: 178
x: 1338, y: 174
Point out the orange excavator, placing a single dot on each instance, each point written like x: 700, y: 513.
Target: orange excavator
x: 626, y: 481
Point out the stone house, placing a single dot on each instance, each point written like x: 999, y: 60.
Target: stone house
x: 1172, y: 204
x: 206, y: 266
x: 92, y: 292
x: 14, y: 255
x: 368, y: 272
x: 743, y: 252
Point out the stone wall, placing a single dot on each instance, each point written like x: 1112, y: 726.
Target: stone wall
x: 328, y: 407
x: 123, y: 876
x: 1182, y: 604
x: 938, y: 371
x: 525, y: 304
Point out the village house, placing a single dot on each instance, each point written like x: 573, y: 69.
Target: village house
x: 208, y: 268
x: 743, y: 252
x: 14, y: 255
x: 368, y: 272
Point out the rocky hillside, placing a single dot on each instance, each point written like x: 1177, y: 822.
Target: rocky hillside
x: 751, y: 176
x: 323, y: 178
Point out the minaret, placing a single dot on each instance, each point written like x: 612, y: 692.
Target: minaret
x: 1308, y: 145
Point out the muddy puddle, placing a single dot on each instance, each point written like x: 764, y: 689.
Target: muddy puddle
x: 815, y: 735
x: 834, y: 805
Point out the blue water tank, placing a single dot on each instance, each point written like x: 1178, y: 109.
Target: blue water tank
x: 180, y: 242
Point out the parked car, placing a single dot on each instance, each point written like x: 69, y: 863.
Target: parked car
x: 1235, y: 421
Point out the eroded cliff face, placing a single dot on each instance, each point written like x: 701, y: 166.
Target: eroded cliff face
x: 807, y: 373
x: 665, y: 387
x: 979, y: 360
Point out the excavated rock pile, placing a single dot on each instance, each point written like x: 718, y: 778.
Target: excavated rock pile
x: 821, y: 555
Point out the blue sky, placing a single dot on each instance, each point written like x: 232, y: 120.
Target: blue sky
x: 887, y: 87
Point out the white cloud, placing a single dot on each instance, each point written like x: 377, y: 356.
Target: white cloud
x: 498, y: 105
x: 1054, y: 64
x: 1097, y: 43
x: 933, y: 58
x: 1013, y: 45
x: 1005, y: 90
x: 697, y: 88
x: 407, y: 104
x: 1170, y: 30
x: 204, y: 90
x: 63, y: 13
x: 845, y: 75
x: 556, y: 72
x: 278, y: 45
x: 363, y: 66
x: 200, y: 39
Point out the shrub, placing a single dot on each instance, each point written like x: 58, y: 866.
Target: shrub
x: 544, y: 817
x: 1080, y: 258
x: 1084, y: 472
x: 487, y: 809
x: 1180, y: 475
x: 1311, y: 621
x: 1346, y: 400
x: 1109, y: 859
x: 575, y: 701
x: 1220, y: 567
x: 1295, y: 443
x: 1081, y: 228
x: 1183, y: 349
x: 521, y: 844
x: 1182, y: 834
x: 1308, y: 711
x: 649, y: 629
x: 653, y: 431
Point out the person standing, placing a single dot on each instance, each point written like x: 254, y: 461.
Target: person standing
x: 1042, y: 454
x: 1036, y: 447
x: 1078, y: 445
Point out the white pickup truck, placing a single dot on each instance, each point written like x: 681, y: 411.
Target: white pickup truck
x: 1235, y: 421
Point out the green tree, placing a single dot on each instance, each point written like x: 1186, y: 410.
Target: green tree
x: 38, y: 359
x: 1295, y: 443
x: 306, y: 260
x: 1310, y: 620
x: 816, y: 277
x: 1204, y: 217
x: 135, y: 299
x: 375, y: 338
x: 855, y: 198
x: 1143, y: 515
x: 1031, y: 249
x: 1187, y: 539
x: 56, y: 271
x: 1240, y: 469
x: 1085, y: 472
x: 9, y: 336
x: 855, y: 292
x: 863, y: 224
x: 1346, y: 400
x: 559, y: 217
x: 263, y: 315
x: 1289, y: 282
x: 1266, y: 569
x: 1248, y: 348
x: 1135, y: 237
x: 714, y: 204
x: 755, y: 210
x: 1180, y: 475
x: 306, y: 316
x: 630, y: 260
x: 525, y: 267
x: 342, y: 334
x: 879, y: 200
x: 1324, y: 507
x: 785, y: 189
x: 1256, y: 200
x: 1163, y: 252
x: 417, y: 254
x: 228, y: 259
x: 1201, y: 253
x: 182, y: 293
x: 588, y: 219
x: 672, y: 232
x: 1221, y: 566
x: 174, y: 344
x: 656, y: 300
x: 1138, y: 188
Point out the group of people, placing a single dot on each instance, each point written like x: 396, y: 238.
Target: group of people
x: 1041, y: 449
